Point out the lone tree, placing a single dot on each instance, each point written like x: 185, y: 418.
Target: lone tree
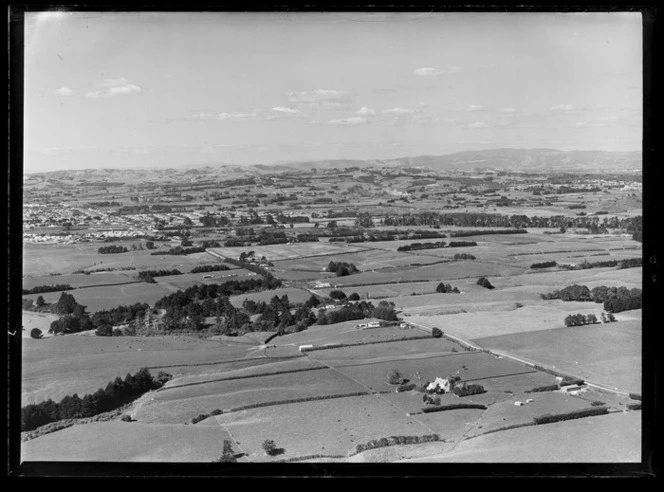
x: 270, y: 447
x: 484, y: 282
x: 394, y: 377
x: 436, y: 332
x: 40, y: 301
x: 228, y: 456
x: 36, y: 333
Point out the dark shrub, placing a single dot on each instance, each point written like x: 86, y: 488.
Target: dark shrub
x: 36, y: 333
x: 126, y: 418
x: 394, y: 377
x: 270, y: 448
x: 216, y: 411
x: 202, y: 416
x: 436, y: 332
x: 484, y: 282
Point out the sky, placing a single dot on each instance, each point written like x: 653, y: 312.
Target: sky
x: 128, y: 90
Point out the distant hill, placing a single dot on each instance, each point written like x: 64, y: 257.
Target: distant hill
x: 507, y: 159
x: 536, y: 160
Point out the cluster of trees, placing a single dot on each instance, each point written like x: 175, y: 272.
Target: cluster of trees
x: 179, y: 250
x: 341, y: 268
x: 105, y: 320
x: 278, y: 315
x: 105, y: 250
x: 47, y: 288
x: 544, y: 264
x: 116, y: 394
x: 359, y: 310
x: 210, y: 244
x: 463, y: 256
x: 337, y: 294
x: 73, y: 317
x: 148, y: 275
x: 209, y: 268
x: 461, y: 244
x: 446, y: 288
x: 306, y: 238
x: 627, y: 263
x: 588, y: 319
x: 615, y: 299
x: 420, y: 246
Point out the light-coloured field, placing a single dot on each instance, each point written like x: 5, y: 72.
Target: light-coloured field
x: 502, y: 319
x: 128, y: 441
x: 181, y: 404
x: 608, y: 354
x: 41, y: 321
x: 613, y: 438
x: 319, y: 427
x: 277, y: 252
x: 81, y: 280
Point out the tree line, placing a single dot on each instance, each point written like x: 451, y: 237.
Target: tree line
x: 116, y: 394
x: 148, y: 275
x: 47, y: 288
x: 111, y: 249
x: 587, y: 319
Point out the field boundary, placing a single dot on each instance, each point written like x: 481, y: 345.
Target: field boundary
x: 234, y: 378
x: 303, y: 400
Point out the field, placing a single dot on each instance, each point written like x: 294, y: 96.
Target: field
x: 277, y: 252
x: 589, y: 440
x: 605, y: 353
x: 101, y: 298
x: 58, y: 366
x: 128, y: 441
x: 181, y: 404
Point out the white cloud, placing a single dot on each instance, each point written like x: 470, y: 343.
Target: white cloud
x: 352, y: 121
x: 320, y: 99
x: 220, y: 116
x: 472, y: 107
x: 364, y: 111
x: 114, y: 87
x: 434, y: 72
x: 281, y: 109
x: 398, y: 111
x: 562, y: 107
x: 477, y: 124
x: 65, y: 91
x: 508, y: 110
x: 235, y: 116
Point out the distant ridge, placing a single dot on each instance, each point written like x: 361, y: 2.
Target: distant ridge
x: 509, y: 159
x: 523, y: 160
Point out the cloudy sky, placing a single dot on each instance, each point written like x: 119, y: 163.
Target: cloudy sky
x: 167, y: 89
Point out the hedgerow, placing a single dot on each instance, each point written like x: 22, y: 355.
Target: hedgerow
x: 541, y: 389
x: 392, y: 441
x: 576, y: 414
x: 453, y: 406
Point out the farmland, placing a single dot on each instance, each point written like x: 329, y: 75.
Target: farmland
x: 271, y: 365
